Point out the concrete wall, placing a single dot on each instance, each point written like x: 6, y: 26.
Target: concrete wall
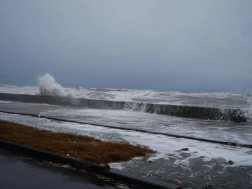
x: 165, y: 109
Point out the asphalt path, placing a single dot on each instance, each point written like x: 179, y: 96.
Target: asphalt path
x: 18, y: 172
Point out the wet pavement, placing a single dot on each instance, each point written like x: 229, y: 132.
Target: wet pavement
x: 18, y: 172
x: 198, y: 165
x: 226, y: 131
x: 194, y: 173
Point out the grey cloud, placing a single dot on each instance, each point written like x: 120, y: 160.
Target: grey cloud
x: 169, y: 45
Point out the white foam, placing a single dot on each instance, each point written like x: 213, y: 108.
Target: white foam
x: 48, y: 86
x: 18, y: 90
x: 164, y: 145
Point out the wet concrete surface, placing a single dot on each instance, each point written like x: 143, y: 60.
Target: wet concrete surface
x: 19, y: 172
x: 23, y: 172
x: 240, y: 133
x: 193, y: 173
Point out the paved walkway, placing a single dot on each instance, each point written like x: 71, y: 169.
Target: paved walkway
x: 18, y: 172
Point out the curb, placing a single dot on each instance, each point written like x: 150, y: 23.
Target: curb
x: 53, y: 157
x: 96, y: 168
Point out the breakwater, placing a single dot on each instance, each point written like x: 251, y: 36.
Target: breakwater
x: 236, y: 115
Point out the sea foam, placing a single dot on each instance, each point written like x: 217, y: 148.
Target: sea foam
x: 48, y: 86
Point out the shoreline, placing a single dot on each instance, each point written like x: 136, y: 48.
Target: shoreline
x: 90, y: 167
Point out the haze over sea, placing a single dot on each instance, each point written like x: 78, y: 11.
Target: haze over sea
x: 186, y: 46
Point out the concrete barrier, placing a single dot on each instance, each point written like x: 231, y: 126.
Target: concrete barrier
x: 236, y: 115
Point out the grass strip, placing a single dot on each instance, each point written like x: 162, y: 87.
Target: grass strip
x: 78, y: 146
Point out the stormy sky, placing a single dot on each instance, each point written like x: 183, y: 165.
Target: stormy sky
x: 139, y: 44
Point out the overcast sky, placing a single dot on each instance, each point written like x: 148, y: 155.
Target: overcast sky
x: 190, y: 45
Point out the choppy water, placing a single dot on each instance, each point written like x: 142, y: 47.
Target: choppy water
x: 219, y: 100
x: 140, y: 127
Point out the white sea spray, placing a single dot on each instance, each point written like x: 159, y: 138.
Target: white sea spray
x: 48, y: 86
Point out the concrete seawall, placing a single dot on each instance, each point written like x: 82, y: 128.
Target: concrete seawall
x: 236, y: 115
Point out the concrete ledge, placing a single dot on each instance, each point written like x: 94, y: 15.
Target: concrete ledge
x: 142, y: 182
x: 236, y: 115
x: 52, y: 157
x: 101, y: 169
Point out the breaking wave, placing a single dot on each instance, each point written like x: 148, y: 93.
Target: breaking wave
x: 222, y: 106
x: 49, y: 87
